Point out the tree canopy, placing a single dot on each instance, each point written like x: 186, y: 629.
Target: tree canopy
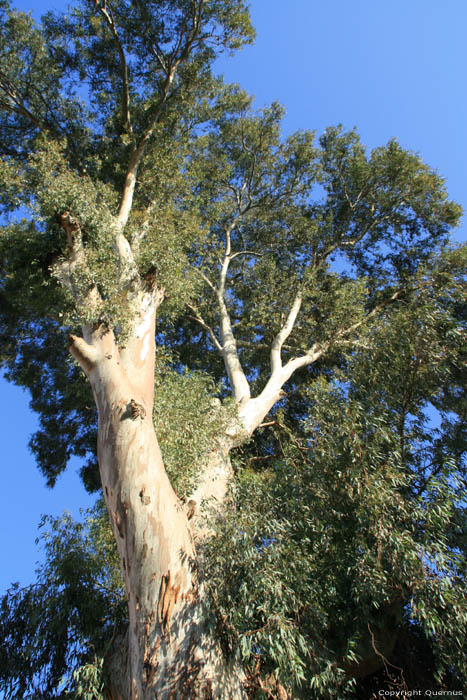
x: 311, y: 310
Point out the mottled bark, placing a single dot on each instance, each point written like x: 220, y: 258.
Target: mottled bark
x: 167, y: 650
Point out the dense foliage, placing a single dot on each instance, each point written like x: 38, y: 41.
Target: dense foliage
x: 351, y: 536
x: 338, y: 566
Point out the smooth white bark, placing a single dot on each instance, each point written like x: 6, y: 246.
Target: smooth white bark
x: 253, y: 412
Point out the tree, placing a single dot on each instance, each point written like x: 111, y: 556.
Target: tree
x: 152, y: 187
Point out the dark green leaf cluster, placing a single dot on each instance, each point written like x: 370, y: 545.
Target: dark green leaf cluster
x: 78, y: 96
x: 33, y: 93
x: 37, y: 358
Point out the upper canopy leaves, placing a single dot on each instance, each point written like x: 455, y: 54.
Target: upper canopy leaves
x: 119, y: 58
x: 285, y: 209
x: 224, y: 207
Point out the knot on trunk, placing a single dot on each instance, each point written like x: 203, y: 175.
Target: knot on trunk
x: 137, y: 410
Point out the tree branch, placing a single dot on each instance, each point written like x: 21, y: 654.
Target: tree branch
x: 281, y: 337
x: 237, y: 378
x: 137, y: 155
x: 138, y: 152
x: 138, y: 235
x: 253, y: 411
x: 245, y: 252
x: 206, y: 279
x: 70, y: 270
x: 351, y: 241
x: 371, y: 314
x: 84, y: 354
x: 18, y: 104
x: 199, y: 319
x: 106, y: 12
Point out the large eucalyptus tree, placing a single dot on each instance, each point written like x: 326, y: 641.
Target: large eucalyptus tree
x: 146, y: 186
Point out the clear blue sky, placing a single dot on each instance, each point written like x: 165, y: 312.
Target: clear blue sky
x: 393, y: 69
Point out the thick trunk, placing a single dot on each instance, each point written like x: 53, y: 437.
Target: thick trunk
x: 167, y: 652
x: 170, y: 651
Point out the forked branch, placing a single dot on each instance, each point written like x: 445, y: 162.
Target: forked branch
x: 253, y: 411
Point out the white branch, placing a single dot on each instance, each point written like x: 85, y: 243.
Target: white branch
x: 226, y: 261
x: 127, y: 262
x: 237, y: 378
x: 281, y: 337
x: 85, y: 354
x: 245, y: 252
x: 253, y: 412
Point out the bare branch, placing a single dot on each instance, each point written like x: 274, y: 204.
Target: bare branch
x: 160, y: 58
x: 137, y: 155
x: 199, y: 319
x: 253, y: 411
x: 237, y: 378
x: 318, y: 349
x: 245, y: 252
x: 84, y: 354
x: 226, y: 261
x: 206, y: 279
x: 314, y: 353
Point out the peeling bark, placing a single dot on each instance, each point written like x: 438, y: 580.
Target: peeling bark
x: 168, y: 650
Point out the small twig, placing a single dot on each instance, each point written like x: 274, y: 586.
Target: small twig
x: 199, y: 319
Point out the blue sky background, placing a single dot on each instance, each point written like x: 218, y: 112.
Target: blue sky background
x: 392, y: 69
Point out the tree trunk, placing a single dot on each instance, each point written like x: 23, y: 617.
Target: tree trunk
x: 171, y: 653
x: 168, y: 651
